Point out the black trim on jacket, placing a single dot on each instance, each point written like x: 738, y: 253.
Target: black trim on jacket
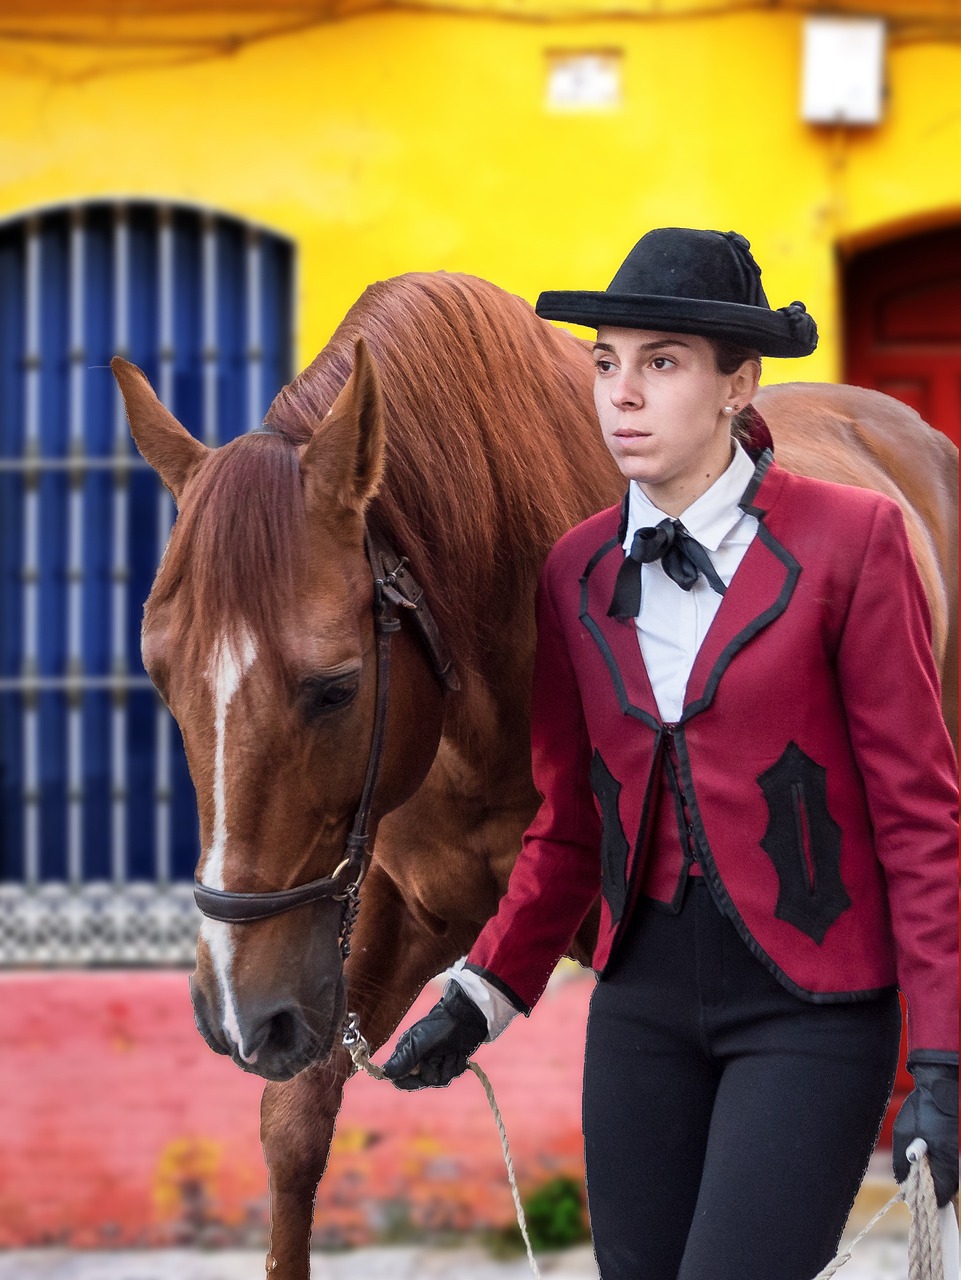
x: 723, y: 898
x: 493, y: 980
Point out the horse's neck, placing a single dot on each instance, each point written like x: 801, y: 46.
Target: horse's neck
x: 487, y: 726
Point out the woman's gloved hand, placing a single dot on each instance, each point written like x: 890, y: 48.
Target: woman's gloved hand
x: 930, y: 1112
x: 435, y: 1050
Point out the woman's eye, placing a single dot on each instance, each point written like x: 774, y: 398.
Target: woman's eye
x: 603, y: 366
x: 319, y: 696
x: 662, y: 362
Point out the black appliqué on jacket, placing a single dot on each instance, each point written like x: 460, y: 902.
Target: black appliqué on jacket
x: 614, y: 847
x: 804, y: 843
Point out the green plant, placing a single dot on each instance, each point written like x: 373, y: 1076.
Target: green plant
x: 556, y: 1218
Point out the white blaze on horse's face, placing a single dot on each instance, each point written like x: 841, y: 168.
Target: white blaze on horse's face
x: 225, y: 670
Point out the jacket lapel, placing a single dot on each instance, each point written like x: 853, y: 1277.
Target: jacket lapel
x: 617, y: 641
x: 760, y: 591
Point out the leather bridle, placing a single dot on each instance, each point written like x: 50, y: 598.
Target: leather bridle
x: 394, y: 590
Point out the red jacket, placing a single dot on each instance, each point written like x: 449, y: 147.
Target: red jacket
x: 816, y: 768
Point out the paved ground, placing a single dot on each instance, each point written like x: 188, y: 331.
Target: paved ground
x: 876, y: 1258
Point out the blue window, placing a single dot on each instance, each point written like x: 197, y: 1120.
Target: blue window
x: 98, y: 834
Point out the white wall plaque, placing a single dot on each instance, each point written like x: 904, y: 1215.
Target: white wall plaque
x: 588, y: 80
x: 843, y: 71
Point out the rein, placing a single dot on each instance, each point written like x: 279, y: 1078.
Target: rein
x: 394, y: 590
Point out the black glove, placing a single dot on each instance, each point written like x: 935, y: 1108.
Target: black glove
x: 930, y: 1112
x: 439, y: 1044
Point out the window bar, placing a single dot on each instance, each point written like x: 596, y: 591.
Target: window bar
x: 30, y: 664
x: 65, y: 684
x: 162, y: 739
x: 255, y: 353
x: 26, y: 466
x: 75, y: 557
x: 211, y: 352
x: 119, y: 566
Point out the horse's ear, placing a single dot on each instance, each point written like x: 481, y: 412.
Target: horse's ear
x: 169, y: 448
x: 344, y: 460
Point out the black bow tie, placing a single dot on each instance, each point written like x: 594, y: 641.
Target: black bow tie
x: 683, y: 557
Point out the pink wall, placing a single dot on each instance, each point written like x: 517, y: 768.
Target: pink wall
x: 118, y: 1126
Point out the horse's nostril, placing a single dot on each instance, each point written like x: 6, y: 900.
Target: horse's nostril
x: 282, y: 1032
x: 278, y: 1036
x: 275, y: 1039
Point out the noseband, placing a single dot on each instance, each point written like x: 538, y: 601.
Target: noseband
x: 394, y: 590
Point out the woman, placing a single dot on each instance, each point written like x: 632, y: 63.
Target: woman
x: 737, y: 736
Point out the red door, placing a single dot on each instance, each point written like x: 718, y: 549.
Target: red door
x: 902, y: 328
x: 903, y: 324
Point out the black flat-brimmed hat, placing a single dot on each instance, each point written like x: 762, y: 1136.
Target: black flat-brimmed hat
x: 678, y: 280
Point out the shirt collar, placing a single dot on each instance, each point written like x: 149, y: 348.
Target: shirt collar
x: 710, y: 518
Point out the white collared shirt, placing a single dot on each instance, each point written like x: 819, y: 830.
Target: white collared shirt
x: 672, y: 623
x: 671, y: 627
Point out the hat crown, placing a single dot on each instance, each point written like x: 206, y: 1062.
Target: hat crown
x: 680, y: 262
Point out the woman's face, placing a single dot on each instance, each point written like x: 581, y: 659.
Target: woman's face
x: 660, y: 401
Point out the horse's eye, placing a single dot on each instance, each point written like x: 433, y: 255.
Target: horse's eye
x: 320, y: 695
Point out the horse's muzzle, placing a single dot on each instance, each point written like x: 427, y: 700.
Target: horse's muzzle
x: 272, y: 1039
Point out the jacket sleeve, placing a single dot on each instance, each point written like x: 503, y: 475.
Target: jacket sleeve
x: 557, y: 874
x: 890, y: 688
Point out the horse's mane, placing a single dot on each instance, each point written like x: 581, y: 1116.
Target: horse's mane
x: 492, y: 453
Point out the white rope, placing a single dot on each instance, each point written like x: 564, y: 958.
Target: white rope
x: 925, y: 1256
x: 359, y: 1050
x: 924, y: 1243
x: 498, y: 1120
x: 838, y: 1262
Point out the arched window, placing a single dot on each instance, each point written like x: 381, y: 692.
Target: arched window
x: 98, y: 832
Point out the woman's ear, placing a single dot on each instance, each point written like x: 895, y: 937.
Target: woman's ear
x: 744, y: 383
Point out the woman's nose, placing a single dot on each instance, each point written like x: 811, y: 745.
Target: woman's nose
x: 626, y: 394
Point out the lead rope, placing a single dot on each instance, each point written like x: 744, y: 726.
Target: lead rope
x: 359, y: 1050
x: 925, y: 1256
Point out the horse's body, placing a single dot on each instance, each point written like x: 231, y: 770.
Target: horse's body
x: 258, y: 633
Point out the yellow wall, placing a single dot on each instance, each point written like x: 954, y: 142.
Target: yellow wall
x: 396, y: 142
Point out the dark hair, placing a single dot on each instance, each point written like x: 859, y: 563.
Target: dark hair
x: 728, y: 358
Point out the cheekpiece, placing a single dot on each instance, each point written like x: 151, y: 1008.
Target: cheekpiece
x: 680, y: 280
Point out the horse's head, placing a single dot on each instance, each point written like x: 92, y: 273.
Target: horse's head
x: 259, y: 635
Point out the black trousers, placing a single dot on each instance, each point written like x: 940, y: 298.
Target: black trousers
x: 727, y: 1122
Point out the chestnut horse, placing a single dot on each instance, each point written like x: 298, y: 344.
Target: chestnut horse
x: 465, y: 436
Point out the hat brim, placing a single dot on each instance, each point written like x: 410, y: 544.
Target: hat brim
x: 766, y: 331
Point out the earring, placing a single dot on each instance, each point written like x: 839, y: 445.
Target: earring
x: 730, y: 408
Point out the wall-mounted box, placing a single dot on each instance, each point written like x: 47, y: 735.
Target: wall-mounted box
x: 584, y: 80
x: 843, y: 71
